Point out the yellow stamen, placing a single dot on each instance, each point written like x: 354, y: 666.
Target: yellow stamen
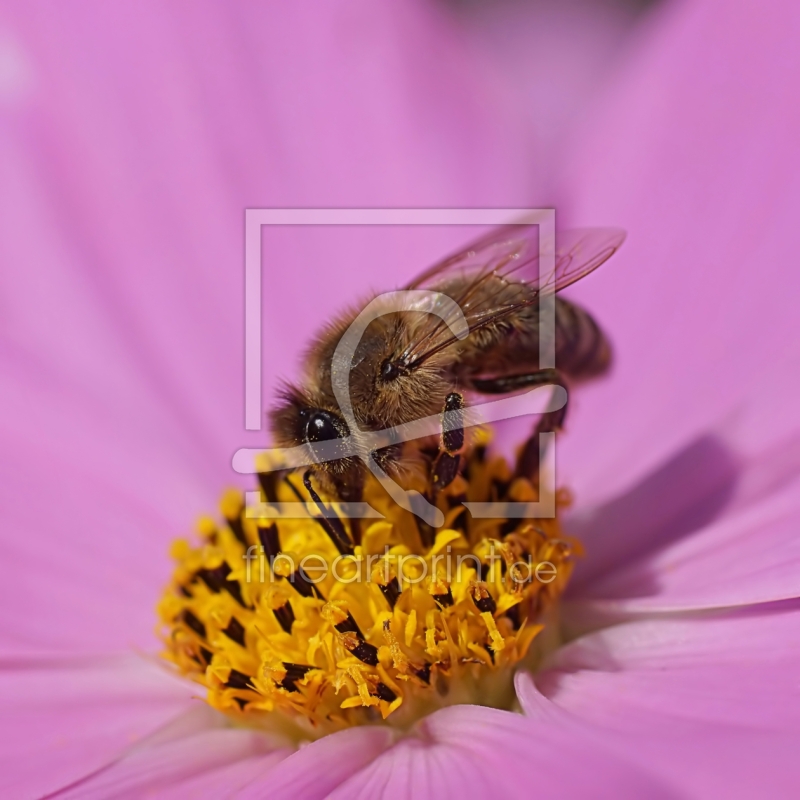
x: 271, y: 619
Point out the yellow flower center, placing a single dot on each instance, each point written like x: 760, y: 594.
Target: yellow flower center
x: 329, y: 622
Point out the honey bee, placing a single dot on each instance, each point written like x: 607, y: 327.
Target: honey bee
x: 409, y: 364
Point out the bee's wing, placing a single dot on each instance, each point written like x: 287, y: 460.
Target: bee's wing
x: 510, y: 253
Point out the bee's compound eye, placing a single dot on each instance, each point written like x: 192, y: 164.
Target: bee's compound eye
x: 320, y: 427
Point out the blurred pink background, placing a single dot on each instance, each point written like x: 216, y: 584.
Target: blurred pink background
x: 134, y: 136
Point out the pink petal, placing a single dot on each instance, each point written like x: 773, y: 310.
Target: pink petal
x: 702, y: 760
x: 738, y: 668
x: 225, y: 781
x: 471, y: 751
x: 205, y: 763
x: 554, y: 58
x: 155, y: 278
x: 62, y: 720
x: 711, y: 528
x: 694, y: 153
x: 81, y: 551
x: 709, y: 703
x: 697, y: 758
x: 134, y: 138
x: 318, y: 768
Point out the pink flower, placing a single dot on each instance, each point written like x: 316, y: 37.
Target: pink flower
x: 133, y: 140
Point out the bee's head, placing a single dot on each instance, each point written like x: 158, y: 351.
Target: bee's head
x: 298, y: 420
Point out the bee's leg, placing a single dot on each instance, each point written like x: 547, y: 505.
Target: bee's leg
x: 446, y: 465
x: 513, y: 383
x: 528, y: 461
x: 350, y: 489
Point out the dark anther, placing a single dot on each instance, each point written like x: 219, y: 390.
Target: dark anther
x: 424, y: 673
x: 391, y: 591
x: 333, y: 525
x: 237, y: 526
x: 238, y: 680
x: 210, y: 579
x: 367, y: 653
x: 349, y: 626
x: 270, y: 541
x: 235, y: 631
x: 355, y: 530
x: 285, y: 616
x: 206, y: 655
x: 500, y: 487
x: 513, y: 615
x: 385, y: 693
x: 445, y: 599
x: 453, y: 440
x: 269, y: 485
x: 195, y: 624
x: 217, y: 579
x: 426, y: 533
x: 445, y: 469
x: 235, y: 591
x: 509, y: 526
x: 456, y: 500
x: 483, y: 600
x: 294, y: 672
x: 213, y: 536
x: 487, y: 572
x: 458, y: 521
x: 304, y: 586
